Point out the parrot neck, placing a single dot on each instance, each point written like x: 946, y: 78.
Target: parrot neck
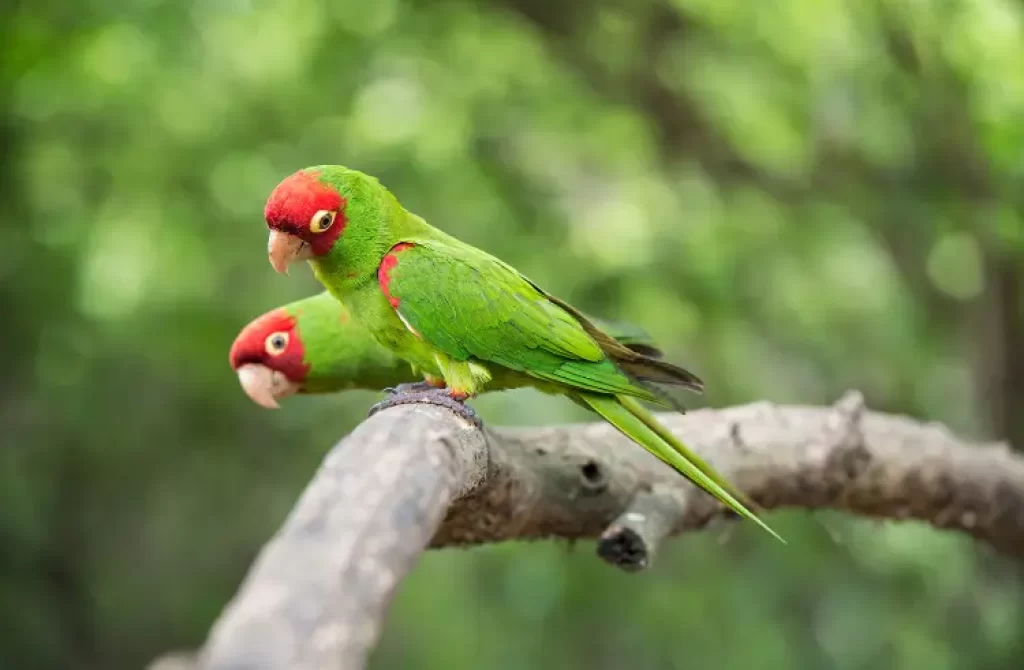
x: 353, y: 262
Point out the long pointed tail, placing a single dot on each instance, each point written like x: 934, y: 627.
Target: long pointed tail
x: 639, y: 425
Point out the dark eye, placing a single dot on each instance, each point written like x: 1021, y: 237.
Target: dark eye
x: 276, y: 343
x: 321, y: 221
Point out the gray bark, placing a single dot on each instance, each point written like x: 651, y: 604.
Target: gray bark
x: 416, y: 476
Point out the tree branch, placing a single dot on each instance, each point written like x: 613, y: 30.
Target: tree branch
x: 632, y: 540
x: 417, y: 476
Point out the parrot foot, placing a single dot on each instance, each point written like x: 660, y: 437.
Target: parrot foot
x: 430, y: 396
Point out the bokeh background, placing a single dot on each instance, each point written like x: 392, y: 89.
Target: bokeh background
x: 794, y: 197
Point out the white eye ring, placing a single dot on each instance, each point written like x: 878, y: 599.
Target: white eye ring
x: 321, y: 221
x: 276, y: 343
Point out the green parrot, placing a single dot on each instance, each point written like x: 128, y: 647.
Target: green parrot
x: 314, y: 346
x: 458, y: 313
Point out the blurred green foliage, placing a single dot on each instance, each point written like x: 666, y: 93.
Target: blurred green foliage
x: 794, y: 197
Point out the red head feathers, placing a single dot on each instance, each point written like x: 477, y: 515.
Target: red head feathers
x: 307, y: 208
x: 267, y: 355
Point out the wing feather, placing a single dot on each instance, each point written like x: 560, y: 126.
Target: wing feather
x: 471, y: 305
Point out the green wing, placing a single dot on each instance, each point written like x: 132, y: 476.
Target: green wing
x: 471, y: 305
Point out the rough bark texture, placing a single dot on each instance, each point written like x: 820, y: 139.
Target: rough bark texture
x: 316, y: 595
x: 416, y: 476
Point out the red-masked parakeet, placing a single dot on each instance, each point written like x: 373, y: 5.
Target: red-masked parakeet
x: 459, y: 313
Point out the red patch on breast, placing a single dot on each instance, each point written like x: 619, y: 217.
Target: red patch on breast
x: 387, y: 264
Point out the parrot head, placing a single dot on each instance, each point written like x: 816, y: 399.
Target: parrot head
x: 268, y: 357
x: 307, y: 213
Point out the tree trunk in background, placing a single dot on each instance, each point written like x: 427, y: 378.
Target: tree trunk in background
x: 999, y: 368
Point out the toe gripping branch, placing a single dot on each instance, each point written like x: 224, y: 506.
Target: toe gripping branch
x: 422, y: 392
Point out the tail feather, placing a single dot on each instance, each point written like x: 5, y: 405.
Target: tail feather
x: 642, y: 348
x: 632, y: 354
x: 635, y: 363
x: 649, y: 420
x: 632, y: 420
x: 657, y: 371
x: 630, y: 336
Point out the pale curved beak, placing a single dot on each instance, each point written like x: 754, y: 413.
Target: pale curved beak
x: 265, y: 386
x: 284, y: 249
